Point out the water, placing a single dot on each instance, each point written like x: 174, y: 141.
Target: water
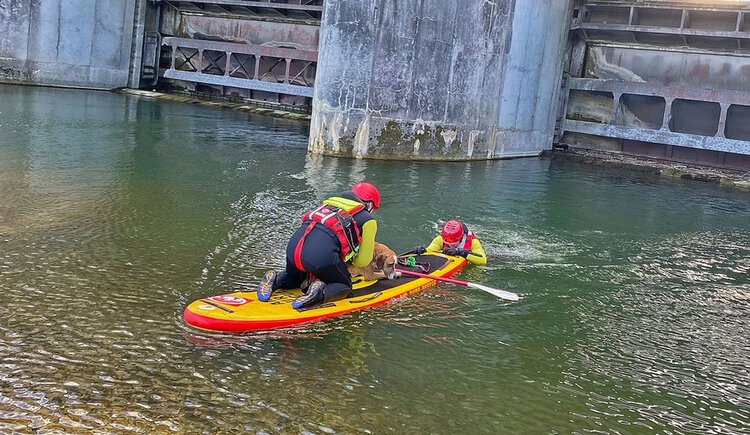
x: 116, y: 212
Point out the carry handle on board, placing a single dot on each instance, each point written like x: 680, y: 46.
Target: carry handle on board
x: 502, y: 294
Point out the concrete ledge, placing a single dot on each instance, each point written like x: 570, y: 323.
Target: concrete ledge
x: 726, y: 177
x: 56, y: 74
x: 243, y: 107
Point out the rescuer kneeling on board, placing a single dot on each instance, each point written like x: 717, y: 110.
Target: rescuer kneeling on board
x: 456, y: 239
x: 341, y: 229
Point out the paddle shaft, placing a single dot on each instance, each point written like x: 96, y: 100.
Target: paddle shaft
x: 437, y: 278
x: 503, y: 294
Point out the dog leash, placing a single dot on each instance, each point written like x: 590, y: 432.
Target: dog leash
x: 412, y: 262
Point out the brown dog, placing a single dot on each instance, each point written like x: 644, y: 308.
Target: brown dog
x: 382, y: 266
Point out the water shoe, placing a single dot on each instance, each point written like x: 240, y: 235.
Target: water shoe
x: 266, y: 286
x: 313, y: 296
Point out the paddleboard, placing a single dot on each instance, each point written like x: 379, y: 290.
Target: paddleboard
x: 243, y: 312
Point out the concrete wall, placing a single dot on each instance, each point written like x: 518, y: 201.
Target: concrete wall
x: 438, y: 79
x: 80, y: 43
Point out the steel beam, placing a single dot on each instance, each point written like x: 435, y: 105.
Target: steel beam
x: 230, y: 47
x: 628, y: 20
x: 726, y: 34
x: 650, y: 89
x: 716, y: 142
x: 254, y: 4
x: 259, y: 85
x: 203, y: 49
x: 658, y: 136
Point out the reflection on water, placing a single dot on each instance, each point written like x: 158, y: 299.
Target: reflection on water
x: 115, y: 212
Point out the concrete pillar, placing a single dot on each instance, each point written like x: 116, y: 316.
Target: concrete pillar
x: 136, y: 57
x: 438, y: 79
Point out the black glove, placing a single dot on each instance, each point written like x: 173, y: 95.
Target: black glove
x: 457, y: 252
x: 450, y: 251
x: 419, y: 250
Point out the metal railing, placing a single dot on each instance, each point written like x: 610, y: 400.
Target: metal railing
x: 271, y: 69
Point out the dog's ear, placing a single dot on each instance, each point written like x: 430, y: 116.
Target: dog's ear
x: 380, y: 261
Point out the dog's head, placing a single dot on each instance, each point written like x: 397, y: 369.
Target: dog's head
x: 385, y: 260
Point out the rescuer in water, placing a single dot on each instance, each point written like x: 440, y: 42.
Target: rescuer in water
x: 456, y: 239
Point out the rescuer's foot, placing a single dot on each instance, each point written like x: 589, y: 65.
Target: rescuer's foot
x: 266, y: 286
x: 313, y: 296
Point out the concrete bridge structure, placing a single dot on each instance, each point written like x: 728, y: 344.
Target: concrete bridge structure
x: 422, y: 79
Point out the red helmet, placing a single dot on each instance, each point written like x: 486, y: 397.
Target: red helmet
x: 367, y: 192
x: 452, y: 231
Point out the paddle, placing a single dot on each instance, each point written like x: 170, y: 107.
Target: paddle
x: 502, y: 294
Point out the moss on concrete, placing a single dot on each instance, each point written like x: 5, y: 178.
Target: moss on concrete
x: 391, y: 135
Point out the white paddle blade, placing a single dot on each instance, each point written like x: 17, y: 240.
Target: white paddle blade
x: 502, y: 294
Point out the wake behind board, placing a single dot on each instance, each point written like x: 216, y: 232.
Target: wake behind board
x: 242, y: 312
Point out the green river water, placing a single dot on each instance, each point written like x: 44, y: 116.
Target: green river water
x: 117, y: 211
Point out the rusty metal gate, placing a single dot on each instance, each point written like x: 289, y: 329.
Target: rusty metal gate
x: 261, y: 50
x: 660, y: 79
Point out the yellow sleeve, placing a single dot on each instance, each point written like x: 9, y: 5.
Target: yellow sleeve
x: 480, y: 259
x: 436, y: 245
x: 364, y: 256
